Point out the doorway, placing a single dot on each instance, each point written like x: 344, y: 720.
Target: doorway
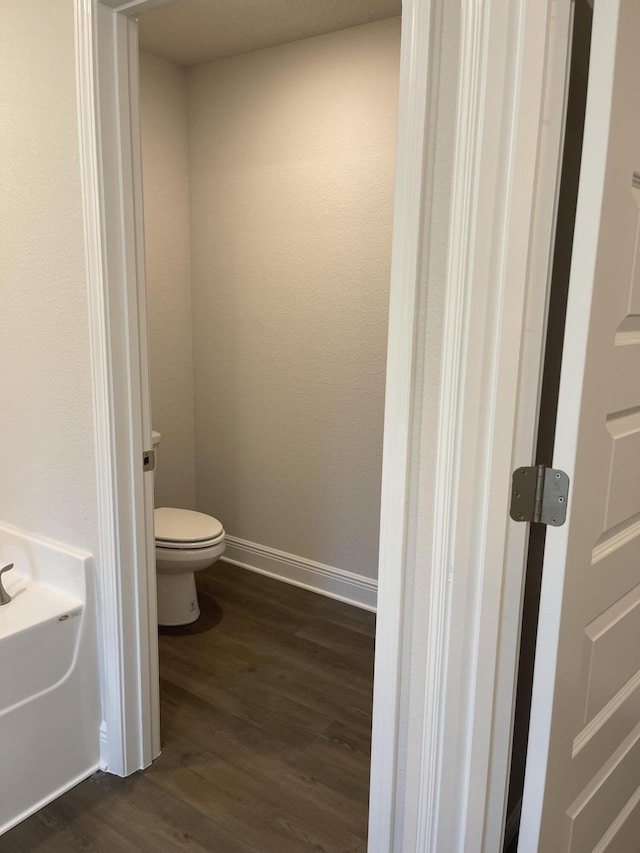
x: 268, y: 182
x: 425, y: 566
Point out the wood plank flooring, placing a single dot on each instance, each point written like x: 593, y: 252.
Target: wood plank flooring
x: 266, y: 718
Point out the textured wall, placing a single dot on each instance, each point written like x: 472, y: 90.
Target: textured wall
x: 291, y: 185
x: 163, y: 91
x: 46, y: 424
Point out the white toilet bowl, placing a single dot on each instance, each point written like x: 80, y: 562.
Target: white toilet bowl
x: 186, y: 542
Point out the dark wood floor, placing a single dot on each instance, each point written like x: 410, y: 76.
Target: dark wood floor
x: 266, y: 716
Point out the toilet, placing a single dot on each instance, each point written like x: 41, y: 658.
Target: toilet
x: 186, y: 542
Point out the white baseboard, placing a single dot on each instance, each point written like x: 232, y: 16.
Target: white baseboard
x: 327, y: 580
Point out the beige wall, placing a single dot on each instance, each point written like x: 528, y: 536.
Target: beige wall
x: 291, y: 185
x: 166, y: 211
x: 46, y: 422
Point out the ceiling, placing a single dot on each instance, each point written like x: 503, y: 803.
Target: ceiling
x: 191, y: 31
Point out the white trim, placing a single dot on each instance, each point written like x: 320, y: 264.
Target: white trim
x: 414, y: 108
x: 539, y: 269
x: 500, y: 159
x: 603, y: 63
x: 107, y: 577
x: 142, y: 399
x: 439, y: 762
x: 435, y: 787
x: 341, y: 584
x: 128, y: 642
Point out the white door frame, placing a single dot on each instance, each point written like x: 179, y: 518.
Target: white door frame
x: 479, y: 140
x: 464, y: 374
x: 107, y: 90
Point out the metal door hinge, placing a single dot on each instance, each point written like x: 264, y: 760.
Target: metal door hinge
x: 148, y: 460
x: 539, y: 494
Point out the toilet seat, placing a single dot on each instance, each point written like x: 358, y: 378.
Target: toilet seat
x: 185, y: 529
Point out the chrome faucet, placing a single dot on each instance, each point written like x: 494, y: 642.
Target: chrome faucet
x: 5, y: 598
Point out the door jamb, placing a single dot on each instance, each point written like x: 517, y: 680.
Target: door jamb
x: 554, y: 95
x: 448, y: 554
x: 461, y: 413
x: 107, y: 91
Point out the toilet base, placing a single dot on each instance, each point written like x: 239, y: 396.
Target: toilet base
x: 177, y: 599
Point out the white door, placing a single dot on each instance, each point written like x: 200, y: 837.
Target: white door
x: 582, y: 786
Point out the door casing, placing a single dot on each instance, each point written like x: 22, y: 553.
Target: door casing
x: 106, y: 72
x: 480, y: 126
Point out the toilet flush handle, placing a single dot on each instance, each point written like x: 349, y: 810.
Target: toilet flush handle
x: 5, y: 598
